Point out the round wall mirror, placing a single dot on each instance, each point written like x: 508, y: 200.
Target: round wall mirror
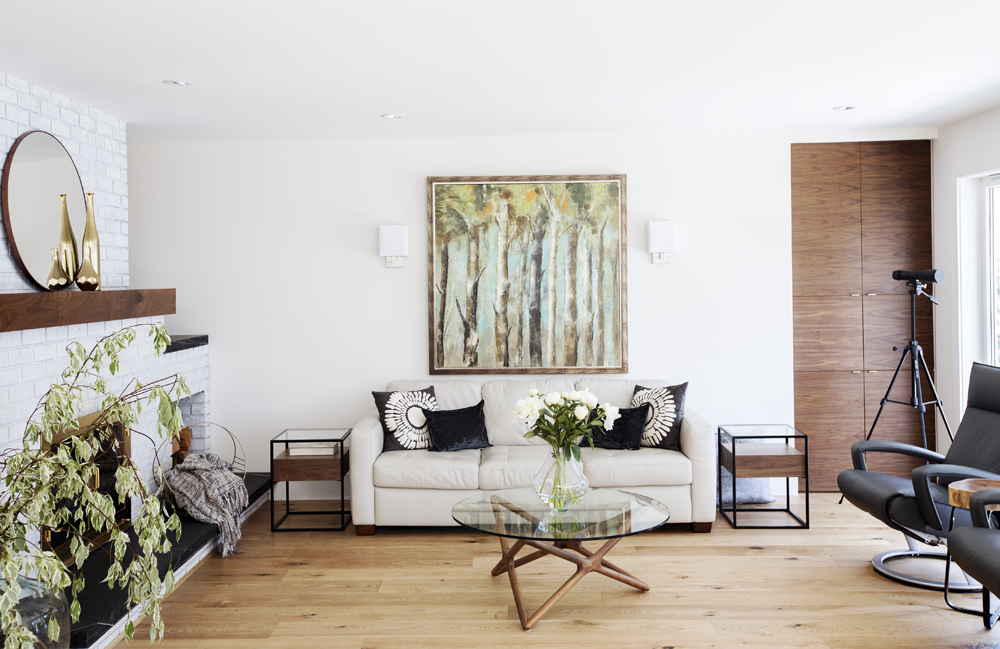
x: 37, y: 171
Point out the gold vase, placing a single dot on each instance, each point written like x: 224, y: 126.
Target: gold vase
x: 89, y: 278
x: 57, y: 278
x: 67, y: 243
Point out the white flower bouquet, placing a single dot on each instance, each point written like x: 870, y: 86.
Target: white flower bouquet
x: 563, y: 420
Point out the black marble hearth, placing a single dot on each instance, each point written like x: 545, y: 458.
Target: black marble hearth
x: 102, y: 608
x: 186, y: 341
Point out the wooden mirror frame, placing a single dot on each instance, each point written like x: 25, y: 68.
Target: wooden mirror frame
x: 4, y: 205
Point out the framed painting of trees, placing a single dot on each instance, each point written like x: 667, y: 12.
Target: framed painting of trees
x: 527, y: 274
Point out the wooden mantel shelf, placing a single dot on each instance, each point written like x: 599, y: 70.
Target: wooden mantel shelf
x: 20, y: 311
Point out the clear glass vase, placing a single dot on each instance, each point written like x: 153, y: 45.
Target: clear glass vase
x: 37, y: 605
x: 561, y: 483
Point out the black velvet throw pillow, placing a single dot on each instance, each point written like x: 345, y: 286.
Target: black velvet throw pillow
x: 625, y: 433
x: 403, y: 420
x: 663, y: 424
x: 454, y: 430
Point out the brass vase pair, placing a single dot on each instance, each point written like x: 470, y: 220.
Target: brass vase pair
x: 65, y: 270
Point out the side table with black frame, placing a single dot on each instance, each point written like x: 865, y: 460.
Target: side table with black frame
x: 288, y: 466
x: 763, y: 453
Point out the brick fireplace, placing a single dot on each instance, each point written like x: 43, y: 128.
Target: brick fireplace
x: 33, y: 357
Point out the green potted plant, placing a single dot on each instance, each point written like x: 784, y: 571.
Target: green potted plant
x: 50, y: 484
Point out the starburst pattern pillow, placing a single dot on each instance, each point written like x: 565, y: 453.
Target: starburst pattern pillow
x: 663, y: 421
x: 403, y: 421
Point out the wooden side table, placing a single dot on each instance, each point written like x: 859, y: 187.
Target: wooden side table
x: 289, y: 467
x: 758, y: 456
x: 960, y: 491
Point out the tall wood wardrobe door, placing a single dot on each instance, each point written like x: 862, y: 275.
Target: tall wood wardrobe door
x: 827, y: 283
x: 895, y: 212
x: 859, y: 212
x: 895, y: 235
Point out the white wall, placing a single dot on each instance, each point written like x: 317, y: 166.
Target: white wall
x: 273, y: 250
x: 963, y: 150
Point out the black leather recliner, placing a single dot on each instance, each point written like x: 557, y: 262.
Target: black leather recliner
x: 976, y: 550
x: 918, y: 507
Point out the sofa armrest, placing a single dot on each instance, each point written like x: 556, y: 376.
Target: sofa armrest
x: 699, y: 445
x: 366, y: 445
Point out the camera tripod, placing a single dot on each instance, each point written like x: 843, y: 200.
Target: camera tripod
x: 915, y: 352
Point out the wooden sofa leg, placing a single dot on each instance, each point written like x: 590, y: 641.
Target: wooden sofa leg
x: 365, y: 530
x: 701, y: 528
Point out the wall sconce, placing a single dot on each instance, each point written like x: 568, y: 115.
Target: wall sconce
x: 393, y: 244
x: 662, y: 237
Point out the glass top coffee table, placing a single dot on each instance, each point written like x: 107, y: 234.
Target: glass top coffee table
x: 602, y: 514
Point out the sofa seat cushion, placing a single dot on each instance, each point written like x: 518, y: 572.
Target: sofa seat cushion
x: 511, y: 467
x: 606, y: 467
x: 426, y: 470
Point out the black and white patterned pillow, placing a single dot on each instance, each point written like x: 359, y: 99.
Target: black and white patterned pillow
x: 663, y: 423
x: 403, y: 421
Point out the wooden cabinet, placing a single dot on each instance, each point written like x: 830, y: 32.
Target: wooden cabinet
x: 895, y: 212
x: 828, y: 333
x: 860, y: 210
x: 826, y: 223
x: 830, y: 409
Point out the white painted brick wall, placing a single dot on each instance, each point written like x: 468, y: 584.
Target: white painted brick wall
x: 31, y: 360
x: 96, y: 142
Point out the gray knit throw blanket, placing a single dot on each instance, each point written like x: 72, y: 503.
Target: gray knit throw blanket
x: 205, y: 488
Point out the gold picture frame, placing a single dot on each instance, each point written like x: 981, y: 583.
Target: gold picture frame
x: 495, y: 306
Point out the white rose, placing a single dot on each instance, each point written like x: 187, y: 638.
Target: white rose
x: 581, y: 412
x: 552, y: 398
x: 610, y: 415
x: 564, y: 395
x: 590, y: 399
x: 574, y: 395
x: 532, y: 392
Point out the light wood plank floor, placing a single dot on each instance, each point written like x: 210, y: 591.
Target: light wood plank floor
x: 432, y: 588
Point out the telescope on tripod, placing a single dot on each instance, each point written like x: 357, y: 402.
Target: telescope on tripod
x: 917, y: 281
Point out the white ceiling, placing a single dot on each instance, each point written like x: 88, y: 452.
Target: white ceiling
x: 322, y: 69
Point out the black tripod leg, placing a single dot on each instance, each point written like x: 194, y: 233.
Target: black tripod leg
x: 918, y: 392
x: 937, y: 399
x: 902, y: 359
x: 885, y: 399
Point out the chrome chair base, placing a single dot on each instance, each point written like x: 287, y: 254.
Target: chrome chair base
x: 880, y: 563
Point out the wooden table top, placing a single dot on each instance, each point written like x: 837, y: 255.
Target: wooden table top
x: 960, y: 491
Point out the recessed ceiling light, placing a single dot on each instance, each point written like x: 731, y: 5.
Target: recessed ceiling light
x: 392, y: 116
x: 843, y: 107
x: 176, y: 82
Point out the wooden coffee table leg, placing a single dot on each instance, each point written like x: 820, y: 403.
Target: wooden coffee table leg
x: 508, y: 567
x: 501, y: 566
x: 588, y: 562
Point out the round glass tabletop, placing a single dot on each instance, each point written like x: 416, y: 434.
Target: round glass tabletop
x: 521, y: 514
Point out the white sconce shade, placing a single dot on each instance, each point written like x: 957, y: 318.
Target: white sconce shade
x: 662, y: 240
x: 393, y: 244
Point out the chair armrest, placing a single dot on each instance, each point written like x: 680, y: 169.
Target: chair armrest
x: 922, y: 486
x: 366, y: 440
x: 978, y: 503
x: 859, y: 449
x: 698, y: 444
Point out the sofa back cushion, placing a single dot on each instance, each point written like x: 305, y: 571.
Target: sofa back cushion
x: 500, y: 398
x: 450, y: 394
x: 617, y: 392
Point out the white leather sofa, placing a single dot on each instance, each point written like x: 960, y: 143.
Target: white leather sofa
x: 421, y: 487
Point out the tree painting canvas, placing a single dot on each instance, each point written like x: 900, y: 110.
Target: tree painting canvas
x: 527, y: 274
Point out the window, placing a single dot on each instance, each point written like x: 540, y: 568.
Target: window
x: 992, y: 185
